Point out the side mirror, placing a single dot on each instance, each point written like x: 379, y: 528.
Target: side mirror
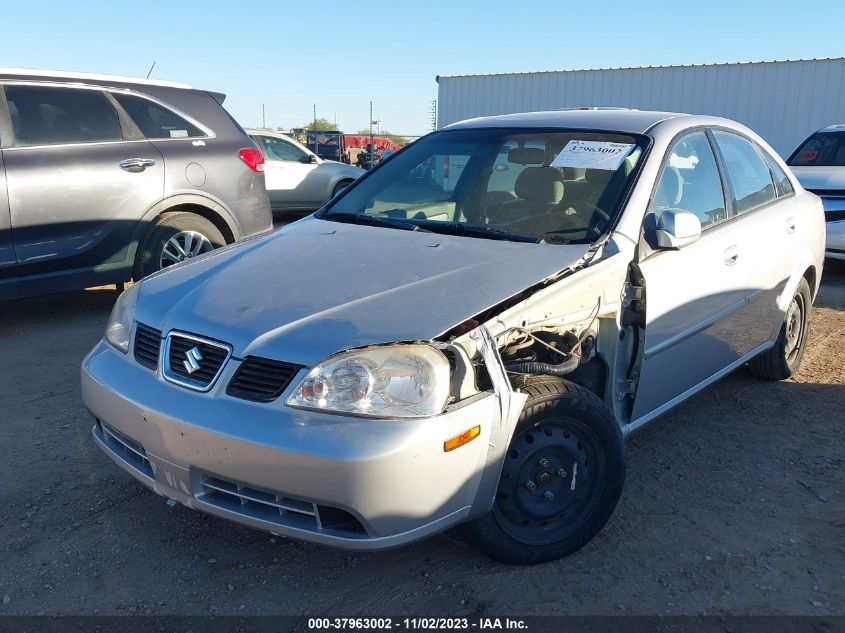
x: 677, y: 228
x: 308, y: 159
x: 339, y: 191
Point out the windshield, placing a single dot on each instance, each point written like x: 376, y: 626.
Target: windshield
x: 520, y: 184
x: 823, y: 149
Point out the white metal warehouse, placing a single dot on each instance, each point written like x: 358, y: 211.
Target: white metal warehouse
x: 784, y: 101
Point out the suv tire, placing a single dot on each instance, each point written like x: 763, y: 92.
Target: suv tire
x: 561, y: 478
x: 173, y: 236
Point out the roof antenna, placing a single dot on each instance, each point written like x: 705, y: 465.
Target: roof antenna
x: 151, y: 69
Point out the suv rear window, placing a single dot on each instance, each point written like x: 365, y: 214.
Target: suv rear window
x: 49, y: 116
x: 154, y: 120
x: 822, y: 149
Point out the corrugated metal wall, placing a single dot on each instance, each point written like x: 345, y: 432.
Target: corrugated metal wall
x: 782, y: 101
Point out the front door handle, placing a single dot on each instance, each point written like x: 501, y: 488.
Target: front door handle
x: 136, y: 165
x: 731, y: 255
x: 790, y: 225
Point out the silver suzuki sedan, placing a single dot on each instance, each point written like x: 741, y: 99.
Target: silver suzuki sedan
x: 466, y: 334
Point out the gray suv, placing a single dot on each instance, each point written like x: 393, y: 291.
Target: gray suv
x: 106, y: 178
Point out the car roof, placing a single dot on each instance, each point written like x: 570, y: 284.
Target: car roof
x: 631, y: 121
x: 62, y: 75
x: 837, y: 127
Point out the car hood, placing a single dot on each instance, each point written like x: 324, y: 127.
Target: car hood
x: 820, y: 177
x: 317, y: 287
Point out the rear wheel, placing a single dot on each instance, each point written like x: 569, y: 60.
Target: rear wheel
x: 561, y: 479
x: 173, y: 238
x: 784, y: 358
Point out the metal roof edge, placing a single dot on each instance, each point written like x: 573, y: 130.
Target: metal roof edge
x: 62, y: 74
x: 438, y: 78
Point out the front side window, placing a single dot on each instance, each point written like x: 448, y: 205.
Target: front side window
x: 156, y: 121
x: 519, y: 184
x: 51, y: 116
x: 748, y: 173
x: 822, y: 149
x: 690, y: 181
x: 278, y: 149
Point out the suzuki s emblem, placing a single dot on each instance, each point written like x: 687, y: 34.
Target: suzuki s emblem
x: 192, y: 360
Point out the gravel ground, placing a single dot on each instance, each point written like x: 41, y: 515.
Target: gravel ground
x: 733, y: 505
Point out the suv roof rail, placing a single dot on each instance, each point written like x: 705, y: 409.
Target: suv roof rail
x: 62, y: 74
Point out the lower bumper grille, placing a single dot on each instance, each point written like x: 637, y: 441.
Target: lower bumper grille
x: 277, y: 508
x: 131, y: 452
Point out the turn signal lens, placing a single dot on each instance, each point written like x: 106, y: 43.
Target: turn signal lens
x: 464, y: 438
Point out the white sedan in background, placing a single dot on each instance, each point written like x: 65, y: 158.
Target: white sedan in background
x: 298, y: 181
x: 819, y: 165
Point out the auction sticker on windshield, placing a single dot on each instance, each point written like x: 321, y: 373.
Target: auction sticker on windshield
x: 593, y: 155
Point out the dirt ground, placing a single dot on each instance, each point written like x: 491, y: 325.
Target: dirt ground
x: 734, y: 504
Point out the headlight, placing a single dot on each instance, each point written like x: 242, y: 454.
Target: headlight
x: 119, y: 328
x: 393, y: 381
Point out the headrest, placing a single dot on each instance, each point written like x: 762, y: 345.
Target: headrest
x: 539, y: 184
x: 527, y: 156
x: 670, y: 190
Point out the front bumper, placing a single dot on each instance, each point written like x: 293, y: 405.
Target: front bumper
x: 835, y: 244
x: 341, y: 481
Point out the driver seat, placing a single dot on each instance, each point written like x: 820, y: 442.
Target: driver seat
x: 538, y: 190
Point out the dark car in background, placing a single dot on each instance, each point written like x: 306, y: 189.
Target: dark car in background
x: 106, y: 178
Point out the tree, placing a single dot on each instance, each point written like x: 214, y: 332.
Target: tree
x: 320, y: 125
x: 399, y: 140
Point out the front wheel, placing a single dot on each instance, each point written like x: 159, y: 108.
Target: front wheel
x: 561, y: 479
x: 783, y: 359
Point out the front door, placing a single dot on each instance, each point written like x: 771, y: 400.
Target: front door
x: 695, y: 296
x: 76, y: 188
x: 292, y: 181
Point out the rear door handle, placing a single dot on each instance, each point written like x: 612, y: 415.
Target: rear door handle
x: 790, y: 225
x: 136, y: 165
x: 731, y: 255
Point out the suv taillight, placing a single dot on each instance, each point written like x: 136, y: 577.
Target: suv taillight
x: 253, y: 158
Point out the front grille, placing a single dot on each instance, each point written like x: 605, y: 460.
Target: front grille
x: 147, y: 345
x: 131, y: 452
x: 261, y: 379
x: 277, y: 508
x: 834, y: 216
x: 205, y: 357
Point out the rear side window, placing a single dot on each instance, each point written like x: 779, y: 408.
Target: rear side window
x: 822, y: 149
x: 690, y: 181
x: 748, y: 173
x: 44, y: 115
x: 785, y: 187
x: 154, y: 120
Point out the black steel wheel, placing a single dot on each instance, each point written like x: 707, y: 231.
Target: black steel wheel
x: 783, y: 359
x: 561, y: 478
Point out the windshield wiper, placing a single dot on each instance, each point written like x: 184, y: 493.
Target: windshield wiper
x: 458, y: 228
x: 373, y: 220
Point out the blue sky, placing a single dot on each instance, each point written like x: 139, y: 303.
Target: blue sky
x: 290, y: 55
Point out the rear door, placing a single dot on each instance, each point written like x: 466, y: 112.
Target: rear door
x: 695, y: 296
x: 769, y: 225
x: 78, y: 180
x: 8, y: 262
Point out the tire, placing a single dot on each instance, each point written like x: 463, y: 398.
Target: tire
x: 783, y: 359
x: 173, y: 235
x: 567, y: 445
x: 341, y: 185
